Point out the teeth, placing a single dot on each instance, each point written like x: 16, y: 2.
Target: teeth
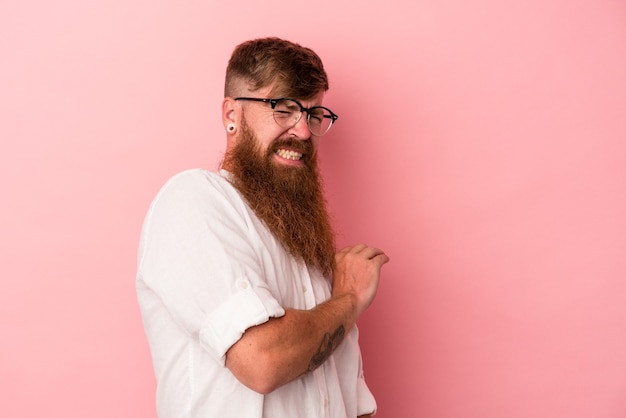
x: 289, y: 155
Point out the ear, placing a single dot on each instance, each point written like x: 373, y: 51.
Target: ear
x: 230, y: 114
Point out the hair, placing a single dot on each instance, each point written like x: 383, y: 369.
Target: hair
x: 293, y: 70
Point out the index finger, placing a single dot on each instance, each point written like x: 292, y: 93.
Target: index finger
x: 372, y: 252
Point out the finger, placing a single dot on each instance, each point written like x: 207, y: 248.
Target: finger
x: 381, y: 259
x: 352, y: 249
x: 371, y: 252
x: 358, y: 248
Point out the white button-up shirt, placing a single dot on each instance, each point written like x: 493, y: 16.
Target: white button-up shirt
x: 208, y: 269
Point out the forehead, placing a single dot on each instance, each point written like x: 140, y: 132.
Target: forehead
x: 277, y: 91
x: 310, y: 102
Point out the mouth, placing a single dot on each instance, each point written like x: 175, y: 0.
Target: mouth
x: 292, y: 152
x: 288, y: 154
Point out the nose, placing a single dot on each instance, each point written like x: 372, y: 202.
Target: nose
x: 301, y: 129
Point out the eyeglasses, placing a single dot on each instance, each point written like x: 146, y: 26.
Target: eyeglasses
x: 287, y: 112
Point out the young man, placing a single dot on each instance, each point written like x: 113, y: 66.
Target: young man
x: 248, y: 310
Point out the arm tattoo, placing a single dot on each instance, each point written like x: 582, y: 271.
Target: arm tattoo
x: 326, y: 348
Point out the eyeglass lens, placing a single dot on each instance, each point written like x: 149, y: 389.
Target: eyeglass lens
x: 287, y: 113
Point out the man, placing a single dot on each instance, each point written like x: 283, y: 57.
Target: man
x: 248, y: 310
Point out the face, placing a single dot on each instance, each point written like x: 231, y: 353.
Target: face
x: 291, y: 147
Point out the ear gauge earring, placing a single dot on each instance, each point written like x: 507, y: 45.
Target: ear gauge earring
x: 230, y: 127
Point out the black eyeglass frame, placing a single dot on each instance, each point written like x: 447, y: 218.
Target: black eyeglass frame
x: 273, y: 102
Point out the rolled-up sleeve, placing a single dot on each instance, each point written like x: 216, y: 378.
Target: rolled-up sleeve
x: 226, y: 324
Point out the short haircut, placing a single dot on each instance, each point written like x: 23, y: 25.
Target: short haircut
x: 293, y: 70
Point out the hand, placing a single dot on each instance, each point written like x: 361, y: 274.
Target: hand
x: 357, y: 273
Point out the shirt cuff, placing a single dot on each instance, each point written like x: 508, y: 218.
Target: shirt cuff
x: 225, y: 325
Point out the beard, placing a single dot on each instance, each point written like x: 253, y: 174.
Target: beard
x: 288, y: 199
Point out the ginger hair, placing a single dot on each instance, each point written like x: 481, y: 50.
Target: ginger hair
x: 293, y: 70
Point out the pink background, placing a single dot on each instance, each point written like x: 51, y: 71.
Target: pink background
x: 481, y: 143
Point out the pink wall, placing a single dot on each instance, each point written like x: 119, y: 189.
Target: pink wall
x: 482, y: 144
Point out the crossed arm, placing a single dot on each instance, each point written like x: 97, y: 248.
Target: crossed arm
x: 274, y: 353
x: 280, y: 350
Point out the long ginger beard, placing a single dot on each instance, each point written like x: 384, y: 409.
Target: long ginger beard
x: 288, y: 199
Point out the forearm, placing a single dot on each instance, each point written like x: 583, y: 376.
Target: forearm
x: 274, y: 353
x: 282, y: 349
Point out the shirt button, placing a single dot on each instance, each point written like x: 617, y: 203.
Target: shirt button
x: 325, y: 402
x: 243, y: 285
x: 304, y: 289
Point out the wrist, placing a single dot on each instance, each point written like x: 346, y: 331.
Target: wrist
x: 346, y: 308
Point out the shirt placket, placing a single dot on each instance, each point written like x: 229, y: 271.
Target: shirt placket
x: 307, y: 288
x: 322, y: 390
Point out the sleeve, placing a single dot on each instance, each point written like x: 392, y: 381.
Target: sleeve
x: 197, y: 257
